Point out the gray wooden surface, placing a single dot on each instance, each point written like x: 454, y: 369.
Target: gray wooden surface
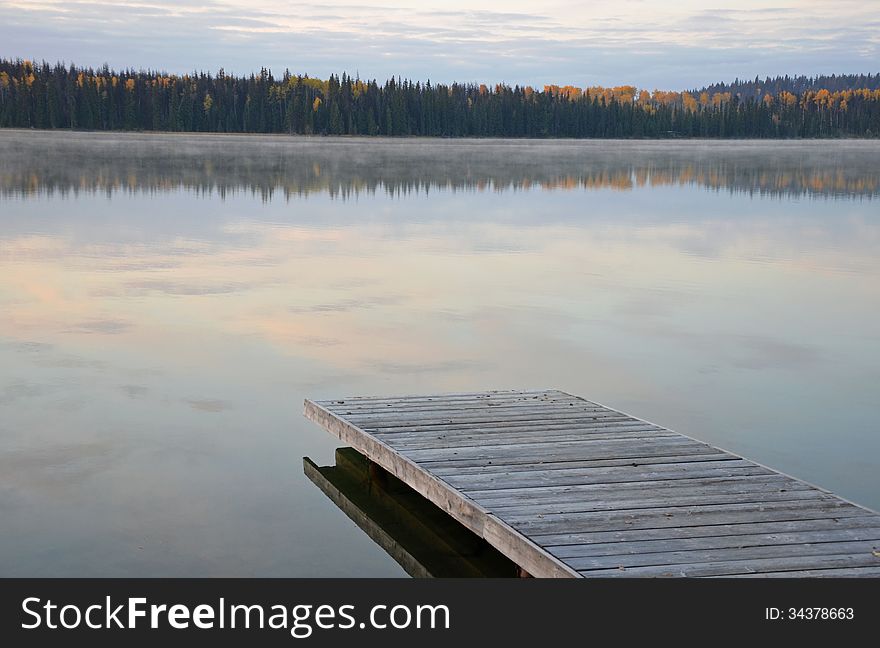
x: 568, y: 488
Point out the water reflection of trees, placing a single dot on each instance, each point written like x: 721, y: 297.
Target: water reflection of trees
x: 272, y: 167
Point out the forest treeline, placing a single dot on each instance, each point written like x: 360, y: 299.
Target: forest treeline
x: 794, y: 84
x: 50, y: 96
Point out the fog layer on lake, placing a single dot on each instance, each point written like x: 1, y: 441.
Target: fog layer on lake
x: 167, y: 301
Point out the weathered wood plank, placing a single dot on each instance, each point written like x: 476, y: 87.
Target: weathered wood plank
x: 490, y: 468
x: 553, y: 496
x: 500, y: 427
x: 845, y: 572
x: 552, y: 511
x: 453, y: 396
x: 726, y: 554
x: 574, y: 541
x: 452, y: 410
x: 538, y: 476
x: 641, y: 547
x: 536, y: 417
x: 625, y: 452
x: 512, y: 427
x: 482, y: 404
x: 471, y: 441
x: 486, y: 430
x: 549, y: 451
x: 512, y: 407
x: 682, y: 516
x: 643, y: 498
x: 735, y: 567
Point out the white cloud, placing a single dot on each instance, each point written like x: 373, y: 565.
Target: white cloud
x: 649, y: 43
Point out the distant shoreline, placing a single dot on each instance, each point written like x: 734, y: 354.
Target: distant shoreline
x: 40, y: 95
x: 440, y: 138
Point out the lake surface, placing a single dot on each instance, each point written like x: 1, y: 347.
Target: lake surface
x: 166, y: 303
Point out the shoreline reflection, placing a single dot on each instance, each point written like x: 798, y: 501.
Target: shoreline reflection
x: 270, y: 166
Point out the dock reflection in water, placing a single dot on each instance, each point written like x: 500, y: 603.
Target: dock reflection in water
x: 423, y: 540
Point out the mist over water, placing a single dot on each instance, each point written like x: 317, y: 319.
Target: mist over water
x: 66, y: 162
x: 166, y: 303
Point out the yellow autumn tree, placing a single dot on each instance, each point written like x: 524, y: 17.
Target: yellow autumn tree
x: 624, y: 93
x: 787, y: 99
x: 688, y: 101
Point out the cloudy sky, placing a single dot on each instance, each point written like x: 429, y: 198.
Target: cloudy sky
x: 649, y: 43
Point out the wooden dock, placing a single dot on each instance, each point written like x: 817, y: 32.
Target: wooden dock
x: 565, y: 487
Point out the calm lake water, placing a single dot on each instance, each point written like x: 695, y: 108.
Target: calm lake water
x: 166, y: 303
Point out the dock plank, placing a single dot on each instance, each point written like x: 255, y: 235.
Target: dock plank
x: 740, y: 567
x: 540, y: 476
x: 472, y: 441
x: 401, y: 432
x: 577, y: 542
x: 566, y: 487
x: 491, y: 469
x: 630, y: 452
x: 726, y: 554
x: 635, y: 547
